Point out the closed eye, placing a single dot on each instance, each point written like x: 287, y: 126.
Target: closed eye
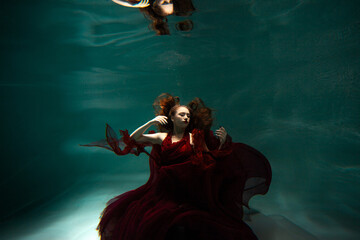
x: 183, y: 114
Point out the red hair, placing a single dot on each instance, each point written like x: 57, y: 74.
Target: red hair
x: 200, y: 115
x: 160, y: 23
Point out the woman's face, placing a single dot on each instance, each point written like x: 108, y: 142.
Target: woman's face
x: 181, y: 117
x: 163, y: 7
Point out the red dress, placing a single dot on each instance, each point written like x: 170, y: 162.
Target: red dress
x: 190, y: 194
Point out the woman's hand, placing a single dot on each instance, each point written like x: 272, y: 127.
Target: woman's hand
x: 221, y: 133
x: 139, y: 136
x: 159, y: 120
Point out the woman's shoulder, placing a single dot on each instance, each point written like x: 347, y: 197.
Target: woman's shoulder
x: 191, y: 139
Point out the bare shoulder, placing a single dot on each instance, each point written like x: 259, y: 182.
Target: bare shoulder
x: 161, y: 137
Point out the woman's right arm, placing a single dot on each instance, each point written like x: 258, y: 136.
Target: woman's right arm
x: 156, y: 138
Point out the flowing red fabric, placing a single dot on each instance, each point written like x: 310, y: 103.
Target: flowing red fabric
x: 190, y: 194
x: 113, y: 143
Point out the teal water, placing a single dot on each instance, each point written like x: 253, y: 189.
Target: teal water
x: 283, y: 76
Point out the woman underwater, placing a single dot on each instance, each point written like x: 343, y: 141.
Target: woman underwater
x: 158, y: 10
x: 198, y: 182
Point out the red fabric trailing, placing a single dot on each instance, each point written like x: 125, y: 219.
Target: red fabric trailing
x: 190, y: 194
x: 131, y: 146
x: 113, y: 143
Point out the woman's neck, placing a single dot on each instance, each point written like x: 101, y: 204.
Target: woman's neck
x: 178, y: 132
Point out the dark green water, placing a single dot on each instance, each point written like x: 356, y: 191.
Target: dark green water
x: 282, y: 75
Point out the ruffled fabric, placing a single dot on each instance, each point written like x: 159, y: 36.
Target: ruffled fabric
x: 113, y: 143
x: 190, y: 194
x: 201, y: 157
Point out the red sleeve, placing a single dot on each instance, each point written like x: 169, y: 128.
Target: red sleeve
x: 238, y: 171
